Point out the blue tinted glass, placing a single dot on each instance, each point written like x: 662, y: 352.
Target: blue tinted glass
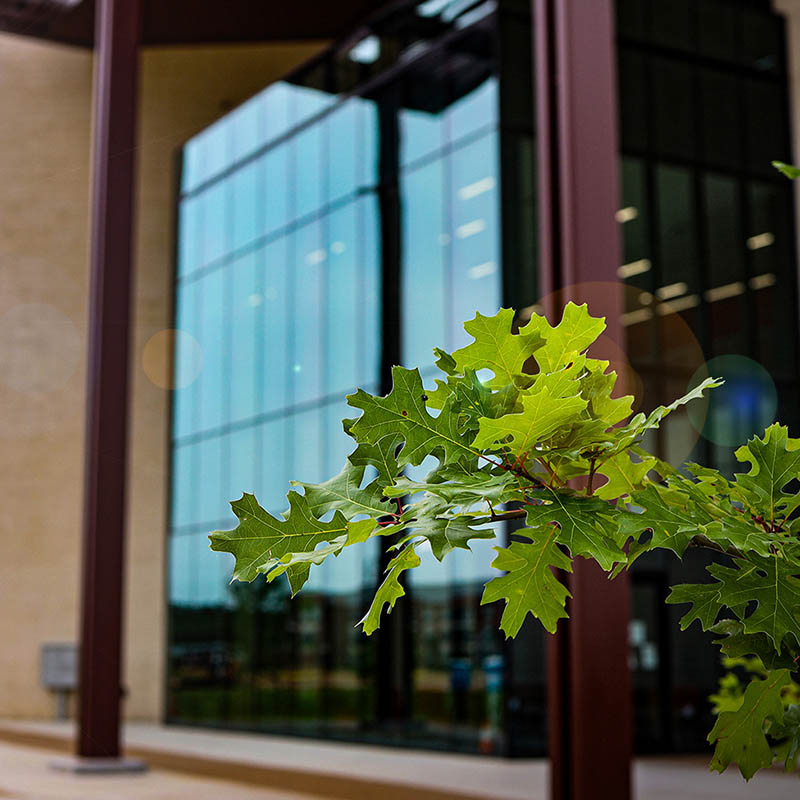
x: 474, y: 111
x: 215, y: 240
x: 190, y: 235
x: 274, y: 481
x: 246, y: 205
x: 247, y: 305
x: 212, y: 573
x: 277, y: 187
x: 247, y: 128
x: 210, y: 491
x: 277, y: 101
x: 339, y: 444
x: 425, y: 254
x: 275, y: 316
x: 341, y: 130
x: 191, y: 170
x: 368, y: 144
x: 308, y: 446
x: 421, y: 133
x: 243, y: 457
x: 187, y: 354
x: 344, y: 302
x: 308, y: 102
x: 309, y: 172
x: 211, y: 336
x: 183, y: 498
x: 216, y: 148
x: 181, y: 569
x: 475, y: 234
x: 309, y: 280
x: 369, y: 259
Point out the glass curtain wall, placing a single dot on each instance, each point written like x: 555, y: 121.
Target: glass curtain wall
x: 710, y: 285
x: 341, y: 221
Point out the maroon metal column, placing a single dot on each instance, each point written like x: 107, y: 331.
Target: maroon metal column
x: 115, y: 94
x: 589, y: 693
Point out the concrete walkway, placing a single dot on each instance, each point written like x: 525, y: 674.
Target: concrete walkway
x: 292, y: 768
x: 25, y: 775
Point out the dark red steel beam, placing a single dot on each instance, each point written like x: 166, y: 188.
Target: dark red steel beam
x: 105, y: 464
x: 171, y: 22
x: 589, y: 692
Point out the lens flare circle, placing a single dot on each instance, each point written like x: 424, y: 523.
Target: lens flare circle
x: 157, y: 359
x: 743, y: 406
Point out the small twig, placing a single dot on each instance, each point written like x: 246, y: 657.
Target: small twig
x: 592, y: 465
x: 703, y: 541
x: 516, y: 514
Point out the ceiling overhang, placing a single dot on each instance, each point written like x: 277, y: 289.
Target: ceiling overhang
x: 191, y: 22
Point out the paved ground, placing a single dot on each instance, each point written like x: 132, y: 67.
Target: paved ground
x: 25, y: 775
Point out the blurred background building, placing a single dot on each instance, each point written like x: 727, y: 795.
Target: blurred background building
x: 308, y: 214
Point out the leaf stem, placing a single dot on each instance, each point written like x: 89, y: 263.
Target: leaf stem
x: 592, y: 465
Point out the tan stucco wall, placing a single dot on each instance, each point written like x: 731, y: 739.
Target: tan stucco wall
x: 45, y: 93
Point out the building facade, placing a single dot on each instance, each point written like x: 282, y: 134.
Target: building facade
x: 352, y: 216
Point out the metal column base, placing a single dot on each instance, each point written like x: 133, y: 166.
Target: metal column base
x: 97, y: 766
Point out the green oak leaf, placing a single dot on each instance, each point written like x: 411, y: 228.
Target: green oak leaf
x: 576, y: 331
x: 390, y: 590
x: 460, y: 486
x: 530, y: 587
x: 445, y: 532
x: 704, y: 599
x: 735, y: 643
x: 787, y: 733
x: 344, y: 493
x: 297, y: 566
x: 402, y: 412
x: 774, y: 584
x: 739, y: 736
x: 630, y: 433
x: 496, y: 348
x: 550, y: 405
x: 787, y: 169
x: 597, y: 388
x: 261, y: 538
x: 774, y: 460
x: 380, y: 454
x: 669, y: 515
x: 585, y: 526
x: 624, y: 476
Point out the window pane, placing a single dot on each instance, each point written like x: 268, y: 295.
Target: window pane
x: 247, y: 306
x: 183, y: 496
x: 672, y: 118
x: 274, y: 331
x: 425, y: 257
x: 211, y: 335
x: 676, y: 226
x: 343, y: 323
x: 190, y: 235
x: 309, y: 281
x: 726, y: 246
x: 211, y: 492
x: 475, y: 236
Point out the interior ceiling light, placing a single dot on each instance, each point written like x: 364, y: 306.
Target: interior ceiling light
x: 724, y: 292
x: 633, y: 268
x: 367, y: 51
x: 671, y: 290
x: 626, y: 214
x: 761, y: 240
x: 762, y: 281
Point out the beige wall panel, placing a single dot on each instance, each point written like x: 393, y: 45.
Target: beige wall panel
x: 45, y: 91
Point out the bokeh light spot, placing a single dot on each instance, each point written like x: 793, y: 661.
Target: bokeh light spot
x: 157, y: 359
x: 742, y: 407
